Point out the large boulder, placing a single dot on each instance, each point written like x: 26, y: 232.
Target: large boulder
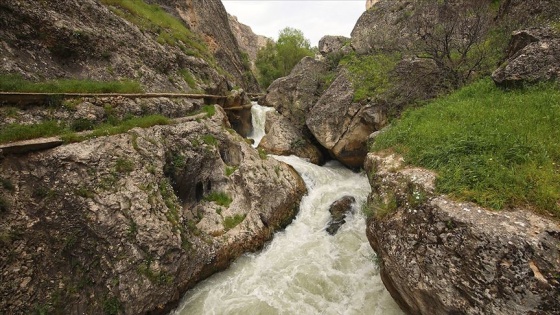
x: 341, y: 125
x: 293, y: 95
x: 127, y: 223
x: 283, y: 138
x: 334, y: 45
x: 440, y: 256
x: 533, y: 56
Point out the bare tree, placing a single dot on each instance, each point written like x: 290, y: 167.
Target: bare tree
x: 452, y: 34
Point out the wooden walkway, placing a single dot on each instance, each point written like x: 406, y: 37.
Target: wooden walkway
x: 23, y: 98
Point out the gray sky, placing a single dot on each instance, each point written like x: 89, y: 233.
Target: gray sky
x: 315, y: 18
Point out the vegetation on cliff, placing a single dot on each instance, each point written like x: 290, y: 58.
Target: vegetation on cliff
x: 496, y: 147
x: 278, y: 59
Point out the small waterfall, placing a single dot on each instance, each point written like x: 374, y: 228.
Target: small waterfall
x: 303, y: 270
x: 258, y: 120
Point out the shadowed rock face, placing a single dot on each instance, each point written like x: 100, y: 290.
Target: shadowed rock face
x: 533, y: 56
x: 439, y: 256
x: 132, y: 221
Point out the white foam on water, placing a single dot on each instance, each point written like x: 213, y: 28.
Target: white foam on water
x: 304, y: 270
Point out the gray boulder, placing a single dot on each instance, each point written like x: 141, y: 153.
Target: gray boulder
x: 292, y: 96
x: 440, y: 256
x: 533, y: 56
x: 334, y: 45
x: 341, y: 125
x: 283, y: 138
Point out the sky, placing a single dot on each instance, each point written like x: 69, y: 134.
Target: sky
x: 315, y: 18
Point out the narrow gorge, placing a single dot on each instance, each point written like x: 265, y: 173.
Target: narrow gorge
x: 410, y: 168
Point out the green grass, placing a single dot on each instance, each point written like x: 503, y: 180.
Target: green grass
x: 498, y: 148
x: 20, y: 132
x: 220, y: 198
x: 153, y: 18
x: 15, y: 83
x: 232, y: 221
x: 370, y: 73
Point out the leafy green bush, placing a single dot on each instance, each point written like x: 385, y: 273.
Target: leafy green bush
x: 276, y: 60
x: 370, y: 74
x: 495, y: 147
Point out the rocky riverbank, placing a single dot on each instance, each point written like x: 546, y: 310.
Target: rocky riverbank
x: 128, y: 223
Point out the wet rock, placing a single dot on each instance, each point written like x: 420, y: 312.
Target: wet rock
x: 533, y: 56
x: 338, y: 211
x: 292, y: 97
x: 440, y: 256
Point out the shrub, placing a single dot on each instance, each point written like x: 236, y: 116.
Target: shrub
x: 370, y: 74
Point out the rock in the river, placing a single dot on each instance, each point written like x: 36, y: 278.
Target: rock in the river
x: 338, y: 211
x: 341, y: 125
x: 283, y: 138
x: 533, y: 56
x: 292, y: 97
x: 440, y: 256
x: 127, y: 223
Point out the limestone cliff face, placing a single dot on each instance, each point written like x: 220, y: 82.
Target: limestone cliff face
x: 177, y: 49
x: 128, y: 223
x: 249, y: 42
x: 210, y: 19
x: 439, y: 256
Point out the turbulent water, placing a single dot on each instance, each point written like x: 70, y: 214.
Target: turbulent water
x: 304, y: 270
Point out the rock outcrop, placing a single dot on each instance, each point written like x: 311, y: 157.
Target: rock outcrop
x: 283, y: 138
x: 210, y: 19
x: 249, y: 42
x: 293, y: 96
x: 338, y: 211
x: 101, y: 40
x: 334, y: 45
x: 127, y: 223
x: 343, y: 126
x: 533, y: 56
x: 440, y: 256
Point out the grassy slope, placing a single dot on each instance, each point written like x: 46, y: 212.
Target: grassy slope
x: 494, y: 147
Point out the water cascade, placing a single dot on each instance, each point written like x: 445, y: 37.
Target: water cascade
x: 258, y: 120
x: 304, y: 270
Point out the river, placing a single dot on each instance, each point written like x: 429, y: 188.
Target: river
x: 303, y: 270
